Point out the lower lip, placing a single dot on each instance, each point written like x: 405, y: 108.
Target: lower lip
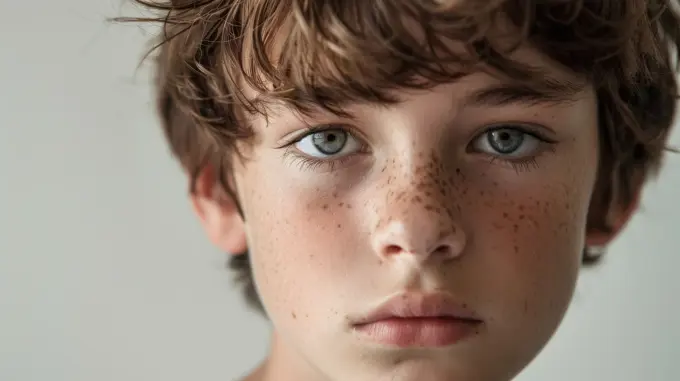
x: 419, y: 332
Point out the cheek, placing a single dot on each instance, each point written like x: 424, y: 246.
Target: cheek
x: 295, y: 237
x: 530, y: 240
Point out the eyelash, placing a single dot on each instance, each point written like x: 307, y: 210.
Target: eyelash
x: 519, y: 165
x: 310, y: 163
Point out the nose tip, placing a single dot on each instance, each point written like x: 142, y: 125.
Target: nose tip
x: 424, y: 241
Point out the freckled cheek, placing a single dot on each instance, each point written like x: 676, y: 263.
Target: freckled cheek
x: 531, y: 240
x: 299, y: 239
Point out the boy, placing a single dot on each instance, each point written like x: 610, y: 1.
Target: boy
x: 409, y: 188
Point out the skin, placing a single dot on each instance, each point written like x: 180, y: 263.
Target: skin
x: 417, y: 200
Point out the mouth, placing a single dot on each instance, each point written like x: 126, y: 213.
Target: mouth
x: 419, y: 320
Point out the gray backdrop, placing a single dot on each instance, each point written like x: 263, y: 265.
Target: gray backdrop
x: 105, y: 275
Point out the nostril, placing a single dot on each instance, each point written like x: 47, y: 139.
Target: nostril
x: 442, y: 249
x: 392, y: 249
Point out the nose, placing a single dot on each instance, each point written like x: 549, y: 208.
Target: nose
x: 419, y: 227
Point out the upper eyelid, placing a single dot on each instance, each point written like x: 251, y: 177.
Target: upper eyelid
x: 523, y: 127
x: 299, y: 135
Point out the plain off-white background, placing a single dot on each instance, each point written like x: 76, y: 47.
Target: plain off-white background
x: 105, y: 275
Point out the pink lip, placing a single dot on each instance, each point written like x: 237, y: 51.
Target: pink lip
x: 419, y: 320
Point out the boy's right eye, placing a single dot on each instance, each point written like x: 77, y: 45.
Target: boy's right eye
x: 328, y: 143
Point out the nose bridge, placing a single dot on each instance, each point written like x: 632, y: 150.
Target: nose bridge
x: 420, y: 212
x: 420, y: 190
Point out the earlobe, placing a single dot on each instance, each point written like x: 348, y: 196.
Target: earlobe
x: 218, y: 213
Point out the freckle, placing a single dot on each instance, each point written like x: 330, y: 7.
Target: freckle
x: 335, y: 194
x: 505, y: 214
x: 481, y: 193
x: 325, y: 206
x: 293, y: 315
x: 341, y: 204
x: 339, y: 226
x: 516, y: 249
x: 416, y: 199
x: 521, y: 216
x: 431, y: 208
x: 349, y: 206
x: 516, y: 227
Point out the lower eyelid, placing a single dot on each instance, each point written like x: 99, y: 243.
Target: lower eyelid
x: 306, y: 162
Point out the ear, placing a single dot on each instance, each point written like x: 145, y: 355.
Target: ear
x: 616, y: 219
x: 218, y: 213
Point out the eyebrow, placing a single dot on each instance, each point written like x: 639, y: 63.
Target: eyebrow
x: 553, y: 92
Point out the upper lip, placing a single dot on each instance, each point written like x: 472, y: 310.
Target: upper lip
x: 419, y: 305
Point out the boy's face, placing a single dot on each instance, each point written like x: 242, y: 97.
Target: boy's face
x: 458, y: 198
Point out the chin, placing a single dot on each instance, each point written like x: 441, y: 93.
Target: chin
x: 414, y: 366
x: 421, y: 373
x: 441, y: 365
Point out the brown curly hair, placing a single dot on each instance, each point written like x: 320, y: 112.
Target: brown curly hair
x: 339, y: 51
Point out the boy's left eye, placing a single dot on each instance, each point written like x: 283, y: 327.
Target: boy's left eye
x: 328, y: 143
x: 508, y: 142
